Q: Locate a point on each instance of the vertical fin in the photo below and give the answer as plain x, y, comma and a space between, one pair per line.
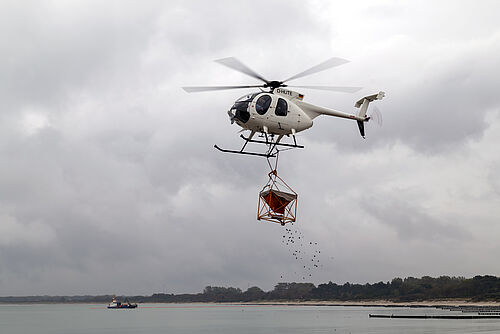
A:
361, 126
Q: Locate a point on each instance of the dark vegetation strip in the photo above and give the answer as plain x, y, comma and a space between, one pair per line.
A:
479, 288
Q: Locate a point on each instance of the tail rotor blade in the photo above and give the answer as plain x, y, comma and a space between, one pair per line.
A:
377, 116
237, 65
332, 62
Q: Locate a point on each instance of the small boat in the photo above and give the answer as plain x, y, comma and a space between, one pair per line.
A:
116, 304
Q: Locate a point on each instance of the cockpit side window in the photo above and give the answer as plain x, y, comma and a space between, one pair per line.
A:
281, 107
262, 104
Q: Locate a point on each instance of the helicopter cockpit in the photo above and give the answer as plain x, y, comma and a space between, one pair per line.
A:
239, 110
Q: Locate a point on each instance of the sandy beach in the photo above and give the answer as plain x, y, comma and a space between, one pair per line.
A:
383, 303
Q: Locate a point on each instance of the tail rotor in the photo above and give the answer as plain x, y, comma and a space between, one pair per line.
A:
376, 116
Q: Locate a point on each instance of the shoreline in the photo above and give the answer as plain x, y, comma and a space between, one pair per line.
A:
364, 303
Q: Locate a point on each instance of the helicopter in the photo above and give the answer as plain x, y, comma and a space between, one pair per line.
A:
278, 112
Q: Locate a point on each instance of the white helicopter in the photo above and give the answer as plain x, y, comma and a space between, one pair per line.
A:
281, 112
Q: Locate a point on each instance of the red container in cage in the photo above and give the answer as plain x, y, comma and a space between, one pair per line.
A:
277, 201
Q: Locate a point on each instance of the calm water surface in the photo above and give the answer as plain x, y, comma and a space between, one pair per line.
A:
230, 319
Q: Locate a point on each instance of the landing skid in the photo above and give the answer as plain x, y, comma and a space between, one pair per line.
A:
267, 155
272, 145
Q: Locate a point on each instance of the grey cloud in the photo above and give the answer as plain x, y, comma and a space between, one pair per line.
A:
438, 106
412, 222
101, 148
52, 49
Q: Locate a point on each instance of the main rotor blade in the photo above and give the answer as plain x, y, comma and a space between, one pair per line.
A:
211, 88
237, 65
332, 88
332, 62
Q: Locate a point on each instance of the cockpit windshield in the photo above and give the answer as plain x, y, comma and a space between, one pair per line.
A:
239, 110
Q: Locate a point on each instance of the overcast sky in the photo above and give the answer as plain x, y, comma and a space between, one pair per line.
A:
109, 182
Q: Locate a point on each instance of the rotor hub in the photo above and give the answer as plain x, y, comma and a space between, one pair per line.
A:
274, 84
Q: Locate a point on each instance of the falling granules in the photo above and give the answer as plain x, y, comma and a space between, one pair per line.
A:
306, 253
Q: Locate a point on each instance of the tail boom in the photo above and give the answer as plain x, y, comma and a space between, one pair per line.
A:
313, 111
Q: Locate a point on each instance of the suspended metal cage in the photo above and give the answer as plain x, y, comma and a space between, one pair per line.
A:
277, 201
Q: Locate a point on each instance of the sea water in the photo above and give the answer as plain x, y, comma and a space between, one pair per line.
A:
230, 319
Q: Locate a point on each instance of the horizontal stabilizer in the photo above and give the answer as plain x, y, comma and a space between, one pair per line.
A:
370, 98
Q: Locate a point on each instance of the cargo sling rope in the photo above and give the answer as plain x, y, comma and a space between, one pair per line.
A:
277, 200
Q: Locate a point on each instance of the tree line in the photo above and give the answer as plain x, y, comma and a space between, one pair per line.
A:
478, 288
